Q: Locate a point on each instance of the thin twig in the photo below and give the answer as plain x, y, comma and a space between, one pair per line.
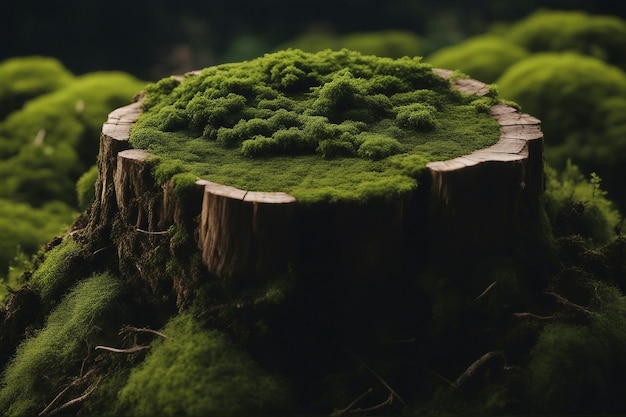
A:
443, 378
568, 303
376, 407
77, 400
161, 232
471, 370
129, 350
141, 330
382, 381
536, 316
352, 404
74, 383
482, 294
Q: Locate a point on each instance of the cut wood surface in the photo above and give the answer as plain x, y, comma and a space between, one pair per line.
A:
242, 233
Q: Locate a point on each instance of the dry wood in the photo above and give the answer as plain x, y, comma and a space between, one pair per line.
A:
129, 350
570, 304
474, 367
482, 294
131, 329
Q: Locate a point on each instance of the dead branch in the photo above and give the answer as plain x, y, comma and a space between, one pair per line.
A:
482, 294
382, 381
570, 304
131, 329
471, 370
129, 350
76, 381
376, 407
352, 404
78, 400
441, 377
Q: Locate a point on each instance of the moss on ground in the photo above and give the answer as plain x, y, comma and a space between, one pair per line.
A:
45, 363
198, 371
325, 126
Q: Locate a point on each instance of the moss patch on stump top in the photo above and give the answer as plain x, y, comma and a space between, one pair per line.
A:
334, 125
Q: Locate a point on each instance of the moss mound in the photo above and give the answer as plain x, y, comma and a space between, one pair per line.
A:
320, 126
197, 372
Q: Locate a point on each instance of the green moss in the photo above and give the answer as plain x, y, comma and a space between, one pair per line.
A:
42, 363
50, 142
26, 228
483, 57
53, 278
198, 372
24, 78
586, 360
562, 90
303, 123
579, 206
600, 36
86, 188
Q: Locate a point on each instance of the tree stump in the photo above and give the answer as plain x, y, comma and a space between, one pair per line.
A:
472, 203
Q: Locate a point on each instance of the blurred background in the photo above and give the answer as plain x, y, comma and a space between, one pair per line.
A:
64, 65
151, 39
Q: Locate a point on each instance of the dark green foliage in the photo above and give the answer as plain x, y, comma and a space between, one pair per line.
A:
199, 372
45, 362
273, 123
584, 359
25, 78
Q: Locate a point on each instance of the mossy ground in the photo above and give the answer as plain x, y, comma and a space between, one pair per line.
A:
325, 126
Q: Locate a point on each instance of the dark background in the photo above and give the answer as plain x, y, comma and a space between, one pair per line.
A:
155, 38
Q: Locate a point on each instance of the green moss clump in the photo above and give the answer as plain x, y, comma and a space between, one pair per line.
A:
24, 78
50, 142
562, 90
599, 36
586, 360
42, 363
579, 206
86, 188
24, 228
304, 123
483, 57
52, 278
198, 371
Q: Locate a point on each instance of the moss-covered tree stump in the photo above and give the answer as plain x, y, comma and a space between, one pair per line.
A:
476, 203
